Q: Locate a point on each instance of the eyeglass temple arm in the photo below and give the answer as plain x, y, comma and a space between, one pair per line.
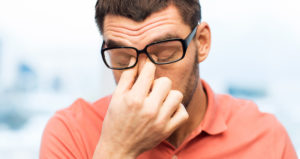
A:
191, 35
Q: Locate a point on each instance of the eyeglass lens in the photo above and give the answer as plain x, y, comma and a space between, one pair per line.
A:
160, 53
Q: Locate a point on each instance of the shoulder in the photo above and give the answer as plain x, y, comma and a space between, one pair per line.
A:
73, 132
252, 127
82, 110
243, 116
241, 110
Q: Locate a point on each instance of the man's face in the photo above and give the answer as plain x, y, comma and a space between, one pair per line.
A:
159, 26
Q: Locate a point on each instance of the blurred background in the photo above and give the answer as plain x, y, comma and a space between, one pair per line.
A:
49, 57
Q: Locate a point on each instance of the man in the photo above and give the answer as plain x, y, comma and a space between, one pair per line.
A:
160, 108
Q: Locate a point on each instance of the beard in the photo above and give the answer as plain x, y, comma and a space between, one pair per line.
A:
191, 84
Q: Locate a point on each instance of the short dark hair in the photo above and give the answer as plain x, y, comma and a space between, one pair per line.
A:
139, 10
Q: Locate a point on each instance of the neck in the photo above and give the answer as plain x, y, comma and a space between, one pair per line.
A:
196, 110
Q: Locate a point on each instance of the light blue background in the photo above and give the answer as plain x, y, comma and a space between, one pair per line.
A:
49, 57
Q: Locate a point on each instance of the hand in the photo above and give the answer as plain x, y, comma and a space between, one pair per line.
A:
141, 114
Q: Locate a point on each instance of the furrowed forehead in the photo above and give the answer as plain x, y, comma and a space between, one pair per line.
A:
159, 26
169, 13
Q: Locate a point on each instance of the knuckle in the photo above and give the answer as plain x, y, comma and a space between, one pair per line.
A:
159, 126
151, 104
147, 101
158, 129
133, 101
149, 114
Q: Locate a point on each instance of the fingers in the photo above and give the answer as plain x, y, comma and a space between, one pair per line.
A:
172, 111
171, 104
160, 90
127, 78
178, 118
144, 82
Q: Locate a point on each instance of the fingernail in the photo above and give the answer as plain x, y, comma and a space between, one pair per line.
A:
154, 57
131, 62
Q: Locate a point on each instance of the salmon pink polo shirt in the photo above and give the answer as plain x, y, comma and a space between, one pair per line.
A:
231, 129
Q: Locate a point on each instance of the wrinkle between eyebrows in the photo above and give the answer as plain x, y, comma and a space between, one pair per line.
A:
137, 30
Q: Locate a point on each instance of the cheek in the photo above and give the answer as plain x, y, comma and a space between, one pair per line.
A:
184, 72
177, 72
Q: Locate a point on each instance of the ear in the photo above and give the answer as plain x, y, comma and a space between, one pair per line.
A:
203, 41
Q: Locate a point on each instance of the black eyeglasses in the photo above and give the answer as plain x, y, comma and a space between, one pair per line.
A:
160, 53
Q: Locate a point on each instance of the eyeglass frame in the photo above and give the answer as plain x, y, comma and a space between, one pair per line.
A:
185, 43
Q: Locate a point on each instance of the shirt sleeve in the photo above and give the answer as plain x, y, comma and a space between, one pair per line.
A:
59, 141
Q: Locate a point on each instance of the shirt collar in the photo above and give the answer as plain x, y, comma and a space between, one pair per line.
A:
213, 122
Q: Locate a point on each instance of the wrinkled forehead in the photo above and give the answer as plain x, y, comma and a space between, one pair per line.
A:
167, 22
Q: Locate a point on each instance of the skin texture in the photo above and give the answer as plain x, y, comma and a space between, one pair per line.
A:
153, 102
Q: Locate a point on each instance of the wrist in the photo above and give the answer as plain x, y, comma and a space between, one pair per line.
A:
107, 152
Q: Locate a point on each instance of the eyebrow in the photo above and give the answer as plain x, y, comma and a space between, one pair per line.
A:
165, 37
112, 43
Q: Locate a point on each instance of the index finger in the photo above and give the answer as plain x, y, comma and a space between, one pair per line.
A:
144, 82
127, 78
